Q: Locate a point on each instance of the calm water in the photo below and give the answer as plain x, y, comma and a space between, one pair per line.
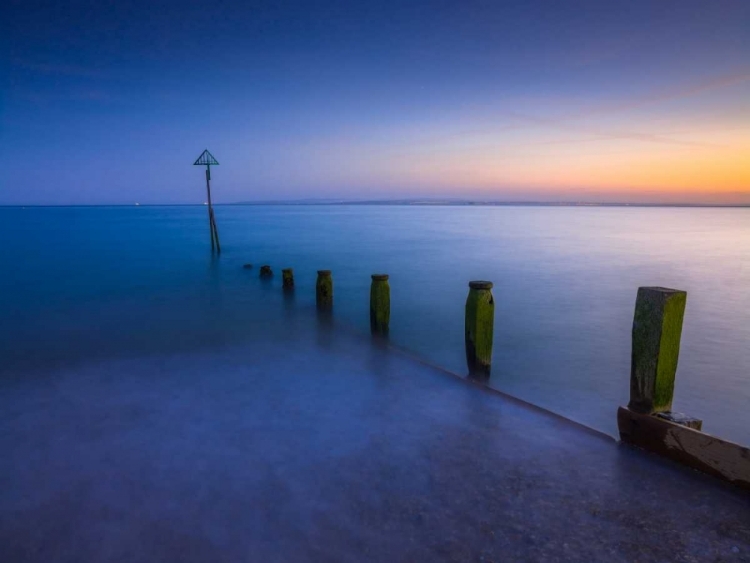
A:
91, 283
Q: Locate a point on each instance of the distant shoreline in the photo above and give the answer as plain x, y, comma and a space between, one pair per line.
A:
400, 203
427, 203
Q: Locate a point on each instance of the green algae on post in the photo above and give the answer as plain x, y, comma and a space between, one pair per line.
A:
480, 319
287, 278
324, 289
657, 329
380, 304
265, 271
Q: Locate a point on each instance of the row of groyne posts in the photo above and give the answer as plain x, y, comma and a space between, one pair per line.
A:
647, 422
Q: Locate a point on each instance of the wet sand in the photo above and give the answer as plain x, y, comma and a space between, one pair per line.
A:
313, 444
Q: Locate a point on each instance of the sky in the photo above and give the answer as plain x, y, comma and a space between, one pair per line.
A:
110, 102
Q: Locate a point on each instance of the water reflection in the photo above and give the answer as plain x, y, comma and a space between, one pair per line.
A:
112, 281
324, 327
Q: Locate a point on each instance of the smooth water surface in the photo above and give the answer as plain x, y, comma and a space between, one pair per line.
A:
89, 283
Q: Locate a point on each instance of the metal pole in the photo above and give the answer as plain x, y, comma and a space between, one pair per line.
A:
216, 232
210, 214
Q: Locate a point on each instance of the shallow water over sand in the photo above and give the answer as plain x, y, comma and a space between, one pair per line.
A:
83, 284
310, 443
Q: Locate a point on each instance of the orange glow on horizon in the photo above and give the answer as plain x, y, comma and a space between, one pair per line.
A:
712, 166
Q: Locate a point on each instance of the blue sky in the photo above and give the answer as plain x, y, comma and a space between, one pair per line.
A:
110, 102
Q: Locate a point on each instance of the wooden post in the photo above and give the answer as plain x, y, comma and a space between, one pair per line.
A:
287, 278
657, 328
324, 289
648, 421
480, 319
380, 304
265, 271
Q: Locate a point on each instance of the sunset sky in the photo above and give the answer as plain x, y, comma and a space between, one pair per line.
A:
111, 101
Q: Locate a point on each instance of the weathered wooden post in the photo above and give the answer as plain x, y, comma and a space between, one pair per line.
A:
287, 278
265, 271
657, 329
648, 421
480, 319
324, 289
380, 304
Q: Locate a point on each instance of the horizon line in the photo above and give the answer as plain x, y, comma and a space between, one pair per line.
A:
399, 202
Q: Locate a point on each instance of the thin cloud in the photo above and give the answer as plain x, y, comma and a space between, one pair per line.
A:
78, 95
675, 93
567, 122
564, 124
59, 69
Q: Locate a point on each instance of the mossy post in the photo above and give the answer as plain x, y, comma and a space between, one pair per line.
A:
287, 279
657, 328
380, 304
480, 319
324, 290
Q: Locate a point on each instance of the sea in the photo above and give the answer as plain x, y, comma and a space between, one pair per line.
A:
88, 284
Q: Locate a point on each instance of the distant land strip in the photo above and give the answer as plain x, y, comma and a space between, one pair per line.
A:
398, 202
457, 203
